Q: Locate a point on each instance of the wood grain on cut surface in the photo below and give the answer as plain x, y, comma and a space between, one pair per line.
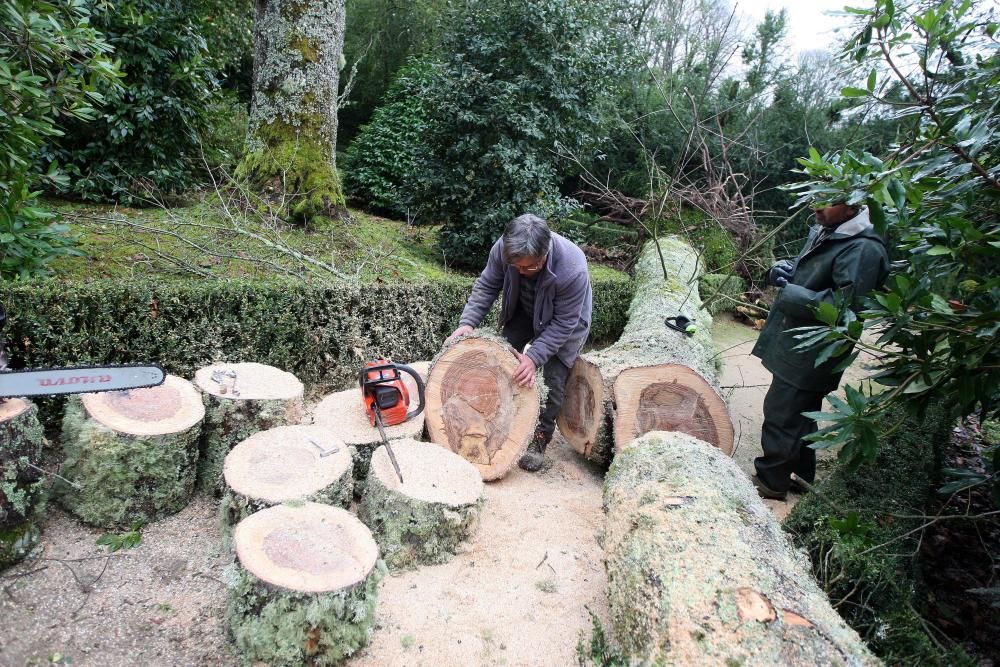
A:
172, 407
475, 409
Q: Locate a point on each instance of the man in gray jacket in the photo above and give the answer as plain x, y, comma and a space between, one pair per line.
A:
547, 301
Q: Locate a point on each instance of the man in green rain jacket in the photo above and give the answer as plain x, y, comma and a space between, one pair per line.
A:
842, 256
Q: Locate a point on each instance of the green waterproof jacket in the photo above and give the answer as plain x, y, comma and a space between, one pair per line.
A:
852, 261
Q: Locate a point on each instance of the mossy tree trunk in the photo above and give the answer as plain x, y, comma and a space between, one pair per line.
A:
21, 487
653, 377
700, 571
304, 586
298, 55
131, 455
427, 515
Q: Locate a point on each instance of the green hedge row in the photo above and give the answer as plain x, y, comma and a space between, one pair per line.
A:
319, 334
864, 555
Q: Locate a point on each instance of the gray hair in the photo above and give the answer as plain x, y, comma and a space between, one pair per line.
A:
526, 236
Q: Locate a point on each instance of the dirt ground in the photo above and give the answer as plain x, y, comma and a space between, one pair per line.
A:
521, 593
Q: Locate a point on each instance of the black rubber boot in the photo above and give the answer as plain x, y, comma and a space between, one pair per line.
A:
535, 456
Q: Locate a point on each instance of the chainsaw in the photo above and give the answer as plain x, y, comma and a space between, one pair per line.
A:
387, 400
72, 379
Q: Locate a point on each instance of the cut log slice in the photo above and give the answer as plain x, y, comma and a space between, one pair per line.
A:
583, 408
284, 464
21, 483
131, 454
241, 399
424, 518
670, 397
646, 341
700, 571
304, 585
344, 414
475, 409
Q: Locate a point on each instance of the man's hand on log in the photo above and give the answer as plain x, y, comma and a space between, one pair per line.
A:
524, 374
461, 331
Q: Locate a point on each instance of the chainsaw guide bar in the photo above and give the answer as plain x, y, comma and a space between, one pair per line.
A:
79, 379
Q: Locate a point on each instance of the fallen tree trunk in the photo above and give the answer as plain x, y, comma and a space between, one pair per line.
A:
21, 488
304, 585
424, 518
131, 455
700, 571
285, 464
475, 409
240, 400
654, 377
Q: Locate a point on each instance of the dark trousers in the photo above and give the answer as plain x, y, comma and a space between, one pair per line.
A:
781, 436
519, 332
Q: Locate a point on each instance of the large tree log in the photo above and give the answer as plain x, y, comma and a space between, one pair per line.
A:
21, 488
475, 409
304, 585
344, 413
699, 570
131, 454
424, 518
653, 378
285, 464
240, 400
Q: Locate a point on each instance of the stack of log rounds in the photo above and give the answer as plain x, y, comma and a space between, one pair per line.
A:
21, 489
654, 377
131, 454
700, 571
285, 464
475, 409
424, 518
304, 585
345, 415
241, 399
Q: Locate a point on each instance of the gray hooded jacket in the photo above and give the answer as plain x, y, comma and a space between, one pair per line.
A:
563, 300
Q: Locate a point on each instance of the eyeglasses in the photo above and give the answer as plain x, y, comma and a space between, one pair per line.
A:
533, 267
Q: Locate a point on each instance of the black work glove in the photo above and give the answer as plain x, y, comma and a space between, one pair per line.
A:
780, 273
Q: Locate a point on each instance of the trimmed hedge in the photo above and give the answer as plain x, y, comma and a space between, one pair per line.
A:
863, 555
320, 334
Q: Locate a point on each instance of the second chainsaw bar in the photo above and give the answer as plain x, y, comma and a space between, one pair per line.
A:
79, 379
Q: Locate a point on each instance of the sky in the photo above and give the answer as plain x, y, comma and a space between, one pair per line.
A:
808, 27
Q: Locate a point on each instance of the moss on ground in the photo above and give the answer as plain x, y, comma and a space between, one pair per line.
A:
863, 553
123, 478
16, 542
285, 628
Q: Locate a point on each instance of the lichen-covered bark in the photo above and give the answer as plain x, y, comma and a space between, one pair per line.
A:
699, 570
16, 542
646, 340
286, 628
235, 507
298, 54
411, 532
228, 422
21, 485
124, 478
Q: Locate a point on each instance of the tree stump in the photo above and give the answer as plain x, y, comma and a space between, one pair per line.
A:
653, 377
434, 509
700, 571
303, 587
344, 414
21, 484
475, 409
132, 453
240, 400
283, 464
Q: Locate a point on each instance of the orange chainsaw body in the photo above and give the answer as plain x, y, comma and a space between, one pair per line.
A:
382, 386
